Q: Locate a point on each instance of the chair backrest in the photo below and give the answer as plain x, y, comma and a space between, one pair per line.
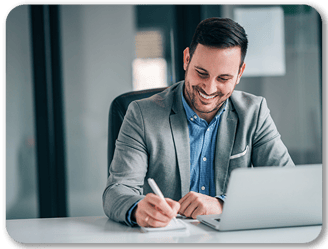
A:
117, 112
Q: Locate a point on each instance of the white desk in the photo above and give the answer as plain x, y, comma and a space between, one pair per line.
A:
103, 230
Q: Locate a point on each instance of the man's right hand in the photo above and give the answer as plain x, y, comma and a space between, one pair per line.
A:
153, 211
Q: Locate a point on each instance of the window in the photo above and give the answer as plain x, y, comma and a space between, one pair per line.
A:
149, 67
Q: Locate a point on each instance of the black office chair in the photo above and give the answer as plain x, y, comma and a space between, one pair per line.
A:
117, 112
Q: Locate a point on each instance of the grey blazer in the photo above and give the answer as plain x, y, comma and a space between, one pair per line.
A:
154, 142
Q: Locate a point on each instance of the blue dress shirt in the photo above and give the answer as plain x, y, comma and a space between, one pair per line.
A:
202, 137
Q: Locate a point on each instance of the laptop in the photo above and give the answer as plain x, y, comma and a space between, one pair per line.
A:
270, 197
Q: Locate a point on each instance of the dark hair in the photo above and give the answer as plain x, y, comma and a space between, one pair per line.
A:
219, 33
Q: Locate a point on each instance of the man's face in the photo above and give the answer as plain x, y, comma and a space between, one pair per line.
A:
211, 77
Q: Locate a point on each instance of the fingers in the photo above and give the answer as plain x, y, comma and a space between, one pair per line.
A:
174, 205
153, 211
161, 205
188, 204
193, 204
185, 197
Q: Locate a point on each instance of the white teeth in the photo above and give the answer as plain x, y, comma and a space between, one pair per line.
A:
206, 97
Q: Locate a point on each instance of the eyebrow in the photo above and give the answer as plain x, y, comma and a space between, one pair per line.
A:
221, 75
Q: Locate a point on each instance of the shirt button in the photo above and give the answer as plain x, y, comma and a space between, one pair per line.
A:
191, 119
204, 159
203, 187
195, 117
208, 129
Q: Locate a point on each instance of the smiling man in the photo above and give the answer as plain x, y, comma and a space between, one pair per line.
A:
191, 136
211, 77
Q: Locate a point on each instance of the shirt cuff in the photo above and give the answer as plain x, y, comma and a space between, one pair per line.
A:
129, 214
221, 197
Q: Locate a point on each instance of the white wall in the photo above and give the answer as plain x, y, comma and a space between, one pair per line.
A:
21, 192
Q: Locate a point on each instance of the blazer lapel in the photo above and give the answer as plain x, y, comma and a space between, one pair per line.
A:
180, 133
224, 144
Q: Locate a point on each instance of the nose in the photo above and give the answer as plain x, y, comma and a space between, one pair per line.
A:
210, 87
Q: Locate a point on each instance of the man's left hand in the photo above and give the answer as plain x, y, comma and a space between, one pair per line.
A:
193, 204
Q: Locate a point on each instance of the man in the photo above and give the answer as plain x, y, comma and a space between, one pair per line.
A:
190, 137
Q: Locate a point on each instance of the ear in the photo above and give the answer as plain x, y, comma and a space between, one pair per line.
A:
241, 71
186, 58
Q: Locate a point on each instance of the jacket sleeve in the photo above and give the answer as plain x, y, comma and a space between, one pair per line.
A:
268, 148
128, 168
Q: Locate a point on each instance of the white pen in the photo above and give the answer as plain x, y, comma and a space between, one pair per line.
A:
156, 189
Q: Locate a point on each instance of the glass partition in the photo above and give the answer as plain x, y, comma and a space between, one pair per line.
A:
293, 94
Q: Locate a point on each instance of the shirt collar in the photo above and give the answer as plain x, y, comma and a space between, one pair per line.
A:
193, 115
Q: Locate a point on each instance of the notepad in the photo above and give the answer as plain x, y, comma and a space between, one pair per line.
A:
173, 225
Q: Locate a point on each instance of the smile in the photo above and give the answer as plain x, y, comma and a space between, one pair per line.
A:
206, 97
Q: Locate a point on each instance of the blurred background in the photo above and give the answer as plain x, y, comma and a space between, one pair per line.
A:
65, 64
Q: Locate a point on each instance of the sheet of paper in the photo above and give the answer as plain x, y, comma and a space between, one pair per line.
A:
175, 224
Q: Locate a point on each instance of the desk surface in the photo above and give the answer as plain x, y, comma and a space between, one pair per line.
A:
103, 230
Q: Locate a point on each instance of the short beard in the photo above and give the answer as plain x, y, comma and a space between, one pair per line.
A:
191, 97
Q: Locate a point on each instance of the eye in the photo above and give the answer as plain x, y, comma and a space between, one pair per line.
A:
223, 79
201, 74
